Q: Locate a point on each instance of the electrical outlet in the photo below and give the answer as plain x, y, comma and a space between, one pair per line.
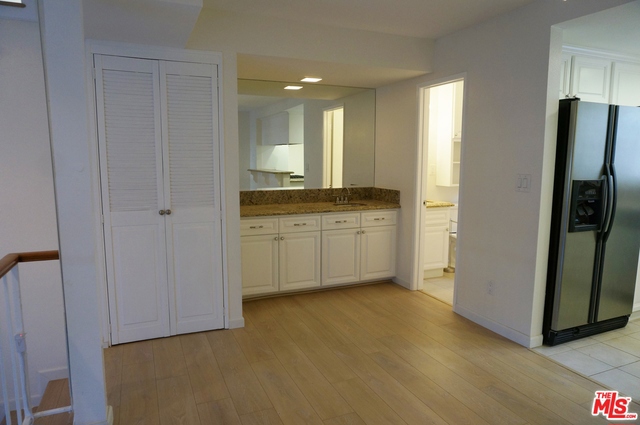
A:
490, 287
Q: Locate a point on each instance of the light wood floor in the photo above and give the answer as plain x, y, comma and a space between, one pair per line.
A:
374, 354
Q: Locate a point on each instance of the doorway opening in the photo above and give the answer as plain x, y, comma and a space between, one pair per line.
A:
333, 147
441, 137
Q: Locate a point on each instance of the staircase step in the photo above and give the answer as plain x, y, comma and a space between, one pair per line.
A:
55, 395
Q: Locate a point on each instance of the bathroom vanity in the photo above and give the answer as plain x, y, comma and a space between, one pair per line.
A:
436, 231
298, 246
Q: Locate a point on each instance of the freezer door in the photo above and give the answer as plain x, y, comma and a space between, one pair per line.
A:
576, 254
623, 244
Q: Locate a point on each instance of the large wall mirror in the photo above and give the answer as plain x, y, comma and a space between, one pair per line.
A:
316, 137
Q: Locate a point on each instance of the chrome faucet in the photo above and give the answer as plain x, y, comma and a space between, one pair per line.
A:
342, 199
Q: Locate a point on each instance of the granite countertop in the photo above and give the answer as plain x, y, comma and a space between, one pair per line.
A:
313, 208
439, 204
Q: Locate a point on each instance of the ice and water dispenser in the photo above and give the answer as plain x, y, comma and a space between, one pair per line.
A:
586, 205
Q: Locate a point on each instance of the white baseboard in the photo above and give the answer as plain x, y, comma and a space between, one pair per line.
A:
512, 334
635, 314
236, 323
401, 282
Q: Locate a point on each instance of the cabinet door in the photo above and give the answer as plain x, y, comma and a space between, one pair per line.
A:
259, 264
626, 84
378, 258
590, 79
299, 260
130, 146
436, 247
340, 256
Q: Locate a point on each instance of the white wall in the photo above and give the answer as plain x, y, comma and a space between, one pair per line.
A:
27, 210
510, 121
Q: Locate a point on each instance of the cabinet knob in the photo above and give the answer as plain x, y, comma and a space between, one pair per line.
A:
358, 232
168, 212
275, 239
161, 212
281, 238
363, 232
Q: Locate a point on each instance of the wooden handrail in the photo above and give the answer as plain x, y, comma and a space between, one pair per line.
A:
9, 261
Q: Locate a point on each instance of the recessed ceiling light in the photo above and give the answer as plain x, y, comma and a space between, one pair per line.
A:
293, 87
311, 80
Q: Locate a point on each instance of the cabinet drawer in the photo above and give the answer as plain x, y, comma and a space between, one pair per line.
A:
340, 221
378, 218
258, 226
437, 217
300, 223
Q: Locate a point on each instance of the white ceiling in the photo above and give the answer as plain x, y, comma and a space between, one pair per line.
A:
412, 18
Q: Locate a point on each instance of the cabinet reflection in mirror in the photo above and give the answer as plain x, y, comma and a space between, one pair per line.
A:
317, 137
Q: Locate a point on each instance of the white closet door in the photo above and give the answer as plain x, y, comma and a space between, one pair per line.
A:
191, 187
129, 134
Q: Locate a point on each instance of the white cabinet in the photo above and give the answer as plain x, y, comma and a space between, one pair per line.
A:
436, 248
291, 253
362, 247
158, 139
274, 129
448, 170
625, 88
591, 78
280, 254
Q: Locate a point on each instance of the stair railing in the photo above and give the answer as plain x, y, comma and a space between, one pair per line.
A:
10, 281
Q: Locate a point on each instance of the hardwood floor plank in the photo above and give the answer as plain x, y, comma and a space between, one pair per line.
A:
255, 348
175, 401
137, 352
434, 396
400, 399
113, 372
315, 350
168, 358
367, 404
375, 354
326, 401
139, 397
221, 412
291, 405
348, 419
207, 382
467, 394
246, 392
526, 408
263, 417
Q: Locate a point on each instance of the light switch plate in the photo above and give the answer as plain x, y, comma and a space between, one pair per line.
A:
523, 183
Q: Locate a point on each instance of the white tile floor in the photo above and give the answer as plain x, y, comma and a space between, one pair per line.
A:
611, 358
440, 288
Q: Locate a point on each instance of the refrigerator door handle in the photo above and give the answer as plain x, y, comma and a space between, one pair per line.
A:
612, 191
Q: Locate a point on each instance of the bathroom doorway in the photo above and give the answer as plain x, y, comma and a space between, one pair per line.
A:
441, 140
333, 147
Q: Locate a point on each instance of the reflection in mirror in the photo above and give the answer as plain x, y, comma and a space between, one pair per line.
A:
317, 137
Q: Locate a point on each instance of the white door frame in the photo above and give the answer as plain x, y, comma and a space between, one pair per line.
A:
158, 53
421, 176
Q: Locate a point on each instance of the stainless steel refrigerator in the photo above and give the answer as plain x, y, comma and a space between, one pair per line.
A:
595, 226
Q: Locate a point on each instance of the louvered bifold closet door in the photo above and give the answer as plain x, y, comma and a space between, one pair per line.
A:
191, 184
130, 146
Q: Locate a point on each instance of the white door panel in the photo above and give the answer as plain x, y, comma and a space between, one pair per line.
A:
194, 266
139, 280
259, 264
378, 252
